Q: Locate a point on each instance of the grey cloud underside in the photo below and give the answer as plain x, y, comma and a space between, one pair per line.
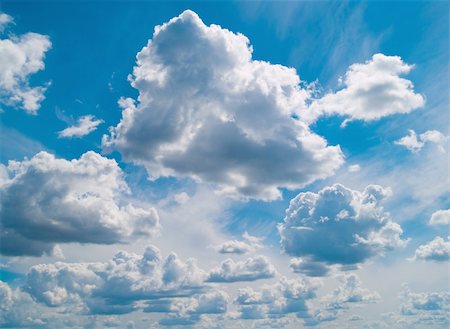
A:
206, 110
48, 200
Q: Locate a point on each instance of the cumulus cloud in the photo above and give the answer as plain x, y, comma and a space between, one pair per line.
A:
17, 309
249, 244
415, 143
22, 56
372, 90
283, 298
115, 286
249, 270
46, 200
349, 291
338, 225
430, 308
436, 250
207, 111
440, 217
189, 311
84, 126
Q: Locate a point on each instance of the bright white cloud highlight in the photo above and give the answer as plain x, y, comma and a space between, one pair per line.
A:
206, 110
415, 143
22, 56
47, 200
338, 225
371, 91
436, 250
440, 217
84, 126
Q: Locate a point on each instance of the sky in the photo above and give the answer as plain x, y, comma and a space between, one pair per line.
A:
209, 164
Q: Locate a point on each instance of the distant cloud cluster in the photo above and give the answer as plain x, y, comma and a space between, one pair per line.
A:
82, 200
337, 225
22, 56
249, 270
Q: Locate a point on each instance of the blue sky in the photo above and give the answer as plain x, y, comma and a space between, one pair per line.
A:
224, 164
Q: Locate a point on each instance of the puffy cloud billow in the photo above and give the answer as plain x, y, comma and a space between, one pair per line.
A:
208, 111
249, 244
436, 250
115, 286
440, 217
22, 56
283, 298
371, 90
337, 225
249, 270
46, 200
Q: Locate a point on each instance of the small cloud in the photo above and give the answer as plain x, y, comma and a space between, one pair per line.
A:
415, 143
84, 126
354, 168
249, 270
440, 217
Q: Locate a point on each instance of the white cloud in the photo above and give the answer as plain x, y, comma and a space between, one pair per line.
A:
283, 298
440, 217
354, 168
84, 126
208, 111
115, 286
364, 229
371, 91
22, 56
415, 143
249, 270
249, 244
49, 200
436, 250
349, 291
431, 309
5, 19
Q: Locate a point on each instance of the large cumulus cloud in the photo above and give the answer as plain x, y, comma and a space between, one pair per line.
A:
338, 225
22, 56
206, 110
46, 200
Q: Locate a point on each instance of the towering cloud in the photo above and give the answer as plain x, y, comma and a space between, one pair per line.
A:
46, 200
206, 110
